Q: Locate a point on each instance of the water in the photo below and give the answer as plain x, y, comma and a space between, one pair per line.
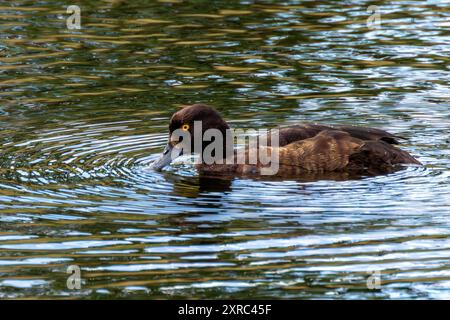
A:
84, 112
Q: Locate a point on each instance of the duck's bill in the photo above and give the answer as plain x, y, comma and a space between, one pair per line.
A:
169, 154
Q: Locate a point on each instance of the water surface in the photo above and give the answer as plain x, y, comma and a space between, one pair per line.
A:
84, 112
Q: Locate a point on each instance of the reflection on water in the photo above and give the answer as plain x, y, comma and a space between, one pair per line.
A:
83, 113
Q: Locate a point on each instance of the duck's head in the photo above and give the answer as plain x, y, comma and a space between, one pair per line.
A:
183, 128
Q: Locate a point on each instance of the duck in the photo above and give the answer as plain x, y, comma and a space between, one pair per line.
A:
301, 149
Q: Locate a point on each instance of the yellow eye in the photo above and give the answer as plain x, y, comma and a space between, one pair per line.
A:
185, 127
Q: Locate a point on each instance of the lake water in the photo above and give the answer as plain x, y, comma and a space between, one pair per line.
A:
84, 112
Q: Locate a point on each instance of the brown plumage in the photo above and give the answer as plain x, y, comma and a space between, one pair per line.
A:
304, 149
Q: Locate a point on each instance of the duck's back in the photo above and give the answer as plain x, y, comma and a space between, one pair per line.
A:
354, 149
323, 148
300, 132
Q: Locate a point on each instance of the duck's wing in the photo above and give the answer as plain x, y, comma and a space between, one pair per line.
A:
380, 154
329, 150
300, 132
334, 150
370, 134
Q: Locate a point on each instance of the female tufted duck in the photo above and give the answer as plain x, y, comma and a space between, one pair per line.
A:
301, 149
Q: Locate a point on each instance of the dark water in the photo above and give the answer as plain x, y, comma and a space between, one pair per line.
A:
84, 112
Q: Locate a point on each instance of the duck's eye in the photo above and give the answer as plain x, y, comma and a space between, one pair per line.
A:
185, 127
